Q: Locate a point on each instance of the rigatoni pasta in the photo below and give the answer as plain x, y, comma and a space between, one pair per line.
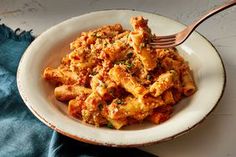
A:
124, 79
113, 77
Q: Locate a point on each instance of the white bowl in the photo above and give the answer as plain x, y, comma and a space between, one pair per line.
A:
52, 45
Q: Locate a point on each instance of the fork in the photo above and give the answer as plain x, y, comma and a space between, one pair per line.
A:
178, 38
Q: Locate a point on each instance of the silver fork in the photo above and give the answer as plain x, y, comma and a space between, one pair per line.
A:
180, 37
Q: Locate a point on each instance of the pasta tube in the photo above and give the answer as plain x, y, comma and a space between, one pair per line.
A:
188, 85
136, 108
120, 76
147, 58
75, 107
91, 113
168, 97
60, 76
68, 92
164, 82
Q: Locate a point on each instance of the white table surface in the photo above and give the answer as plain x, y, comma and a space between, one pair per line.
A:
216, 136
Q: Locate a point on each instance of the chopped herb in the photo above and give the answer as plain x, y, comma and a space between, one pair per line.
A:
109, 125
130, 54
112, 92
166, 50
113, 34
94, 73
142, 45
100, 106
149, 77
104, 85
120, 62
129, 65
119, 102
94, 34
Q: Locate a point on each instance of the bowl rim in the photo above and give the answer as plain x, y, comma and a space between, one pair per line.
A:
122, 145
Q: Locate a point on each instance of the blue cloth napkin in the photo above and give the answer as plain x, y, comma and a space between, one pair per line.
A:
21, 134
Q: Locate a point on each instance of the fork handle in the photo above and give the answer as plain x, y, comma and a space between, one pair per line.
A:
192, 26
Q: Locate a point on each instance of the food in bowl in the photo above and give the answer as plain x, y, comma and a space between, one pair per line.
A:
113, 77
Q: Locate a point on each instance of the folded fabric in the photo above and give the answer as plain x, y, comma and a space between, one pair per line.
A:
21, 134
